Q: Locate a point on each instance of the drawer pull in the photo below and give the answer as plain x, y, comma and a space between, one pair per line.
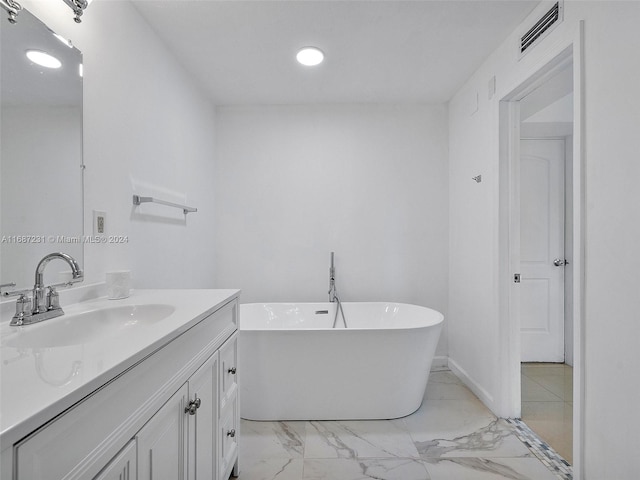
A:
193, 406
232, 370
231, 433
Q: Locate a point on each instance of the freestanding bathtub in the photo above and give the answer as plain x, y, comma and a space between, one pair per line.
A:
295, 366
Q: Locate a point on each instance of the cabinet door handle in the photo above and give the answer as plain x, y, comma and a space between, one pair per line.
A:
232, 370
193, 406
231, 433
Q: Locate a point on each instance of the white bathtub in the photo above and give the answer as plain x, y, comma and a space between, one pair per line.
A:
294, 366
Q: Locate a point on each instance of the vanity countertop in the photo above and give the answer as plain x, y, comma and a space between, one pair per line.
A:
40, 381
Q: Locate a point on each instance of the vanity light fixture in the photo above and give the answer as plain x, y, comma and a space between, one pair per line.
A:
13, 8
310, 56
43, 59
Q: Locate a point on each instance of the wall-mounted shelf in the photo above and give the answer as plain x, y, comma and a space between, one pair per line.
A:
137, 200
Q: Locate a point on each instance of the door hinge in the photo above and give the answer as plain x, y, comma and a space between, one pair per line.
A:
516, 278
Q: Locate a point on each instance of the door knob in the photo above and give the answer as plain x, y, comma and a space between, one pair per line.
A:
559, 262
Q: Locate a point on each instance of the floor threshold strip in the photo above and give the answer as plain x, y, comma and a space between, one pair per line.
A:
542, 450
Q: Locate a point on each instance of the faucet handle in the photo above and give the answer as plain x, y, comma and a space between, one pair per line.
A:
23, 309
53, 298
4, 285
16, 292
61, 285
23, 304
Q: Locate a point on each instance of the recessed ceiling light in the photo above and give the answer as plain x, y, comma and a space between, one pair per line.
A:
310, 56
43, 59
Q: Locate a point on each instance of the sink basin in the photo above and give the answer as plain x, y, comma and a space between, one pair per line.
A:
87, 327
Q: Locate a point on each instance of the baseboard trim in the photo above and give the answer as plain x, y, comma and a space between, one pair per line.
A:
440, 363
474, 386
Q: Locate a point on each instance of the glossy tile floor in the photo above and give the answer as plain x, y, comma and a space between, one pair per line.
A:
452, 436
547, 404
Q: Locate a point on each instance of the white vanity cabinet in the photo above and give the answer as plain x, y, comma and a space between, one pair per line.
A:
174, 416
204, 391
123, 467
229, 413
162, 442
192, 425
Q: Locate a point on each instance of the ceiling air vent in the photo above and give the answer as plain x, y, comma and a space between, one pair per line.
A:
543, 25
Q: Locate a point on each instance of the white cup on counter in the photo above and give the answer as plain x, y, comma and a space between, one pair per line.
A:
118, 284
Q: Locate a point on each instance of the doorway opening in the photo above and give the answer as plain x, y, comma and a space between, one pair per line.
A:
541, 207
546, 260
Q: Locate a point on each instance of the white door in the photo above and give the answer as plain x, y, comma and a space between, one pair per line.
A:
542, 164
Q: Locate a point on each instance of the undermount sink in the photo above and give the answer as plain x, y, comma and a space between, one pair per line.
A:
87, 327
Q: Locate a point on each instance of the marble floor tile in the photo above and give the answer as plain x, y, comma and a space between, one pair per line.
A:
452, 436
262, 440
497, 439
461, 428
358, 439
271, 469
447, 419
488, 469
444, 385
363, 469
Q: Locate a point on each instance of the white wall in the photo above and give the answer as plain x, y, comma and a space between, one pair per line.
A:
368, 182
611, 219
148, 129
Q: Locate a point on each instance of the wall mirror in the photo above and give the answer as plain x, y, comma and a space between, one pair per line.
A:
41, 204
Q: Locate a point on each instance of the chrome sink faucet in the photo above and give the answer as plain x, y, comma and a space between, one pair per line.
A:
44, 303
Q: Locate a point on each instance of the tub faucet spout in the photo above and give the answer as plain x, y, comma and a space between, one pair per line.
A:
333, 294
332, 281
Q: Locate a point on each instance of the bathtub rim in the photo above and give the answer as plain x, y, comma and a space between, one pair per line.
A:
438, 315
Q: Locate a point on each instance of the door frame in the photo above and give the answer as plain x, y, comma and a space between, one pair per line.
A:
509, 238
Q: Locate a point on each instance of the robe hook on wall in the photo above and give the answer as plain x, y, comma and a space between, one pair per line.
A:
477, 178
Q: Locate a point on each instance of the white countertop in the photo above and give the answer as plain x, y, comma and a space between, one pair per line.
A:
37, 384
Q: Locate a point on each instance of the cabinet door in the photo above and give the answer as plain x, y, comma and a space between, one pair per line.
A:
228, 430
162, 442
228, 374
203, 425
123, 466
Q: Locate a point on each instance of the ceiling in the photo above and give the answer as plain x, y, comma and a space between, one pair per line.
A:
243, 52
